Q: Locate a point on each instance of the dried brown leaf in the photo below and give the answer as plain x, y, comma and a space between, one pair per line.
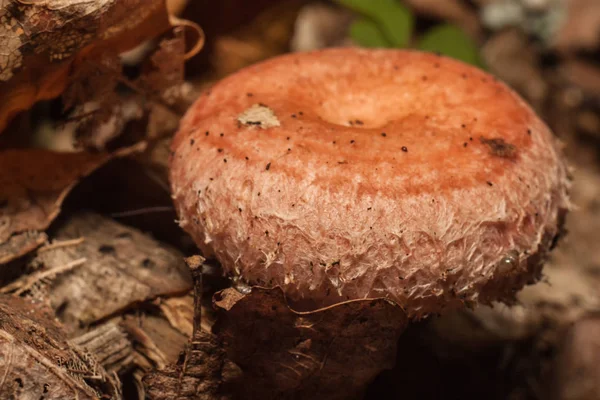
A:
330, 353
44, 41
165, 76
114, 268
39, 363
34, 184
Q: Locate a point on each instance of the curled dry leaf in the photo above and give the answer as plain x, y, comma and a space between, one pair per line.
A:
331, 353
43, 41
34, 184
39, 363
114, 267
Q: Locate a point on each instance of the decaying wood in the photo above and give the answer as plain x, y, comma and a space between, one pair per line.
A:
305, 355
109, 345
124, 267
43, 41
113, 268
34, 184
38, 363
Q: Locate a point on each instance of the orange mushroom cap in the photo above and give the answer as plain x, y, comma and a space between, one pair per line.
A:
351, 173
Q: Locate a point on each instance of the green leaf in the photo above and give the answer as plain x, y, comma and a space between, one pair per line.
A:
453, 42
366, 33
394, 20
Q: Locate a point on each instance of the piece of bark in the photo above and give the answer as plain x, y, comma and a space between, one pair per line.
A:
34, 184
112, 268
289, 354
44, 41
39, 363
577, 367
110, 345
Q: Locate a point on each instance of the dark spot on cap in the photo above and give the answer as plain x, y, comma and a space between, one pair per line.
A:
383, 134
404, 149
192, 141
207, 133
500, 148
268, 166
490, 183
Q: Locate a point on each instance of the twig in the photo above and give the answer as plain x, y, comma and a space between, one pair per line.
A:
61, 243
140, 211
25, 284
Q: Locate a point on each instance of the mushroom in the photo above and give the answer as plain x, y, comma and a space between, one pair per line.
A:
349, 174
